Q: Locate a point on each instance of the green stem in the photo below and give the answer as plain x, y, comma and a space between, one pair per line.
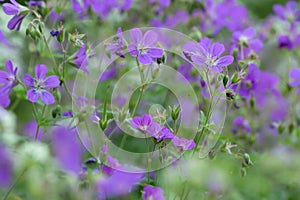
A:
38, 123
14, 184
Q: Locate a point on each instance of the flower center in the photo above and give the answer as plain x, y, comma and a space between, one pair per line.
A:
39, 84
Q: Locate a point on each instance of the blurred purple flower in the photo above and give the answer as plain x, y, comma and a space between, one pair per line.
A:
54, 16
183, 143
262, 87
18, 11
142, 123
118, 45
29, 130
218, 15
8, 78
152, 193
39, 85
240, 124
67, 114
295, 76
4, 100
66, 149
80, 59
284, 41
246, 39
143, 46
289, 13
35, 3
207, 54
3, 38
6, 168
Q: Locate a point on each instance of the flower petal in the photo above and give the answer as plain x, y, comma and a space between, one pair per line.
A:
155, 52
10, 9
150, 38
256, 45
40, 71
32, 95
28, 80
217, 49
132, 49
3, 77
47, 97
15, 22
9, 67
249, 33
4, 100
51, 82
136, 35
225, 61
145, 59
198, 60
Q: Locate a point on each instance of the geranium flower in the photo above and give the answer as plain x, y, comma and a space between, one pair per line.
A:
289, 13
8, 78
80, 59
143, 46
151, 192
118, 45
247, 40
159, 132
142, 123
207, 54
18, 11
39, 85
183, 143
240, 124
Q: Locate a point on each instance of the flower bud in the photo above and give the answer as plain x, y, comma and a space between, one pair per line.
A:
247, 159
225, 80
56, 112
235, 78
103, 124
175, 112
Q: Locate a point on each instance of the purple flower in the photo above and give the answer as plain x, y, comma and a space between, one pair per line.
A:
240, 124
8, 79
155, 193
4, 100
66, 149
284, 41
35, 3
142, 123
295, 76
55, 33
118, 45
246, 38
143, 46
29, 130
18, 11
67, 114
218, 15
289, 13
207, 54
262, 87
118, 184
183, 143
80, 59
159, 132
6, 168
39, 85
